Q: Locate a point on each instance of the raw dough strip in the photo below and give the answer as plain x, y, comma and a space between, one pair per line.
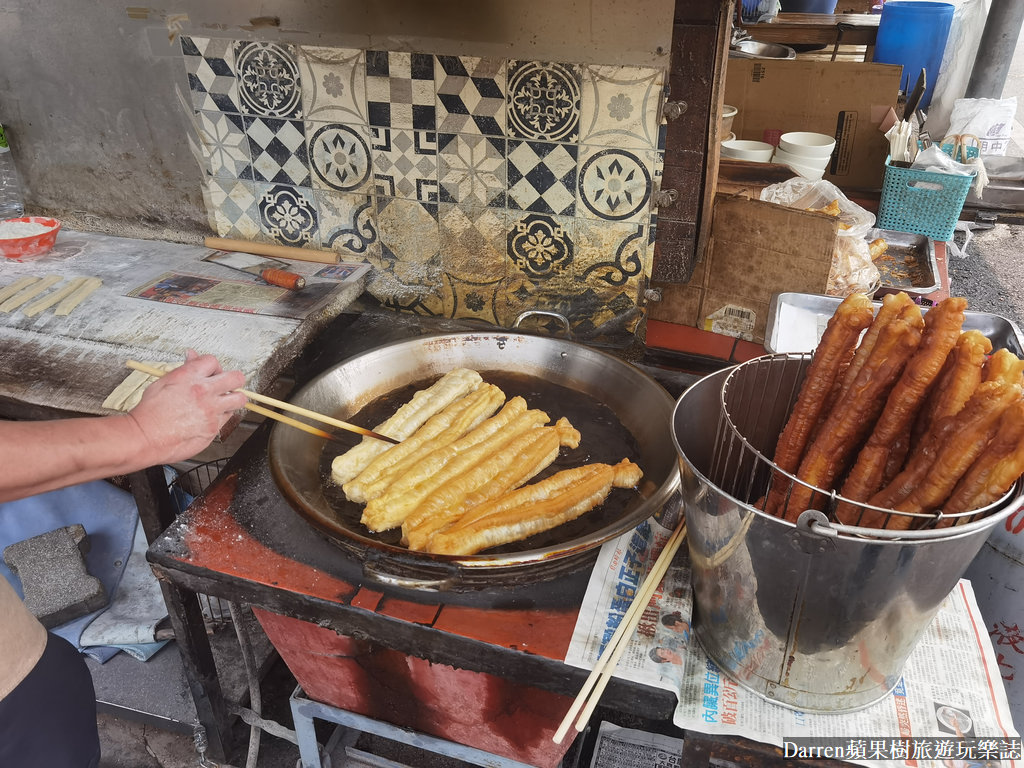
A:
440, 429
30, 293
22, 282
85, 290
506, 468
128, 393
50, 299
407, 419
536, 508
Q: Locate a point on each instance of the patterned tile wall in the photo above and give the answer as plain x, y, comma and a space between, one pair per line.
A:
476, 188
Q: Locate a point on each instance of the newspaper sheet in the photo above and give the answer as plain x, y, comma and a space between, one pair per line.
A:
951, 684
618, 747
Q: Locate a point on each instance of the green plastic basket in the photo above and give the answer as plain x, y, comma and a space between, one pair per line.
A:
922, 202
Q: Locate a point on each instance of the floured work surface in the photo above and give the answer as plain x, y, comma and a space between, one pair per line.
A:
69, 364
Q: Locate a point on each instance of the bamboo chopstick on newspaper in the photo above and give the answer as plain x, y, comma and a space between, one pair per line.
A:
148, 369
586, 700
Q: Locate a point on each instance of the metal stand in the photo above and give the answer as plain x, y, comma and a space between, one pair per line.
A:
304, 711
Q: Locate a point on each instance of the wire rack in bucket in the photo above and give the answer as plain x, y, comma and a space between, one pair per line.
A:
757, 398
183, 490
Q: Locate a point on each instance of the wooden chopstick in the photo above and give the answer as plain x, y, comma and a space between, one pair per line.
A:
148, 369
291, 422
586, 700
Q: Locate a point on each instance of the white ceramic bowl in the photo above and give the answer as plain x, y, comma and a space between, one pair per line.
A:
730, 137
807, 172
781, 156
728, 115
755, 151
806, 144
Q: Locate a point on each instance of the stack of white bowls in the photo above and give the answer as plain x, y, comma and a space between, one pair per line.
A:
806, 153
754, 151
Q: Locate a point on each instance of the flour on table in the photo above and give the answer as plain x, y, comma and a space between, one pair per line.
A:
12, 230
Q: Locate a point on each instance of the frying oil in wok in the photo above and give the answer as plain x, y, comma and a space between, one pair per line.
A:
603, 439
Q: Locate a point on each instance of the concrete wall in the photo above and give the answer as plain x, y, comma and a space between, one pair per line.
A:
87, 89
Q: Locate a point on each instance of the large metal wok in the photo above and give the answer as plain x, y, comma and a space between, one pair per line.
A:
301, 465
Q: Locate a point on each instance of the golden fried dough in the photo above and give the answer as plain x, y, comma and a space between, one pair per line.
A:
535, 508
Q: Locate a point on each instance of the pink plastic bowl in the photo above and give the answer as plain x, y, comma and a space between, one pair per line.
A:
33, 245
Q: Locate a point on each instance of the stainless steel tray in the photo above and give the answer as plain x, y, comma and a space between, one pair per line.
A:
797, 320
908, 264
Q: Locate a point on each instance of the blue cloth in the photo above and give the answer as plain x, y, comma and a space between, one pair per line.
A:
109, 517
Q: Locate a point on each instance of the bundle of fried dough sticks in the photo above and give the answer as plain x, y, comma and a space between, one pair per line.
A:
903, 413
456, 481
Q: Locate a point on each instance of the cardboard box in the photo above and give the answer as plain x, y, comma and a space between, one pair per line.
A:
756, 250
844, 99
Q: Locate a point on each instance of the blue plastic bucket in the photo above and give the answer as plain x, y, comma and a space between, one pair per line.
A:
914, 35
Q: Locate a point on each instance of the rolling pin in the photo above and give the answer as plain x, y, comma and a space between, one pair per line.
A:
270, 249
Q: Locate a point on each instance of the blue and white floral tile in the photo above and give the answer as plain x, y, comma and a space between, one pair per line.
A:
333, 84
541, 249
542, 177
543, 101
465, 299
278, 149
339, 156
233, 207
612, 256
400, 90
615, 184
470, 95
288, 215
210, 65
621, 106
405, 163
224, 145
473, 243
348, 224
471, 169
268, 79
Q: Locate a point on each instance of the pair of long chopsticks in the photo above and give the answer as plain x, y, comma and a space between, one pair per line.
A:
148, 369
586, 700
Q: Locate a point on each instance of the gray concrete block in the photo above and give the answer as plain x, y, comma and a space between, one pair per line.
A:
56, 583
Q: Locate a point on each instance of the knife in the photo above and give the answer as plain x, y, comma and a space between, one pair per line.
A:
268, 270
916, 95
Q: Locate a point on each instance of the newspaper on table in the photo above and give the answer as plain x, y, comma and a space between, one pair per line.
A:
618, 747
951, 685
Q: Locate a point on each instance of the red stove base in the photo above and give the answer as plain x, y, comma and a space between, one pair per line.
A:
472, 708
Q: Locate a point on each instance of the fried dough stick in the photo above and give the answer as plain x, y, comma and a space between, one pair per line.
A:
941, 331
893, 305
852, 316
406, 420
959, 377
945, 453
852, 416
1003, 365
501, 470
535, 508
994, 471
440, 429
431, 457
530, 451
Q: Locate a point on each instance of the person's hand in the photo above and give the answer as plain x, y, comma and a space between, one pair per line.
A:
182, 412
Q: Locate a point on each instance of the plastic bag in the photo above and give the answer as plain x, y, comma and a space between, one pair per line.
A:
852, 268
991, 120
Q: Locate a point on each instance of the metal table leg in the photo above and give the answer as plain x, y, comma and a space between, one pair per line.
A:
156, 512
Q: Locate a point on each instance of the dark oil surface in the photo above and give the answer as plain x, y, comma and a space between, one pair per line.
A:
603, 439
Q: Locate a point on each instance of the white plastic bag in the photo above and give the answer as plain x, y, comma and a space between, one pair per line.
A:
852, 268
991, 120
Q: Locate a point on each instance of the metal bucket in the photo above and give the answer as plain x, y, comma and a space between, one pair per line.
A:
816, 615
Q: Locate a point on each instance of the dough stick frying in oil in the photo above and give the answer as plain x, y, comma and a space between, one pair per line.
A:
407, 419
431, 457
953, 438
440, 429
942, 329
837, 343
960, 376
495, 474
994, 471
853, 415
535, 508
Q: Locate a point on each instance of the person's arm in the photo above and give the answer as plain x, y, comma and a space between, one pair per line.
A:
179, 415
